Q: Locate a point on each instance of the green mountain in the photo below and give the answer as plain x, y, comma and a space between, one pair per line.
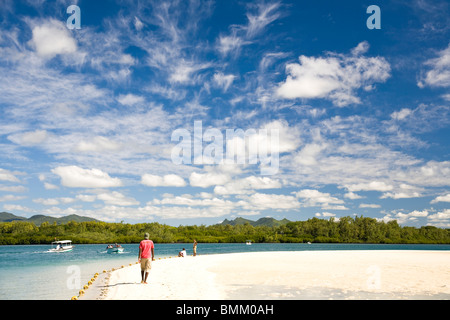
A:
39, 218
8, 217
270, 222
267, 222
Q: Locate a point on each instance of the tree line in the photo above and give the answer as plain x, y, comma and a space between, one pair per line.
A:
346, 230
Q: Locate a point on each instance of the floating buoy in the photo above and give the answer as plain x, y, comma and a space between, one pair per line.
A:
104, 271
86, 287
81, 292
74, 298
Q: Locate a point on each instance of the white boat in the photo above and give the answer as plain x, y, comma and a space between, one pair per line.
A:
114, 249
248, 242
61, 246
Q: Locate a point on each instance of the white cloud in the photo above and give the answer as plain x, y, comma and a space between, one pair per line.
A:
11, 197
369, 205
169, 180
417, 213
97, 144
439, 75
440, 219
167, 91
432, 173
352, 195
267, 13
403, 191
29, 138
401, 195
316, 198
259, 17
138, 24
15, 207
404, 218
263, 201
13, 188
76, 177
444, 198
52, 38
184, 72
41, 92
247, 185
223, 81
325, 214
334, 77
361, 48
402, 114
47, 202
86, 197
262, 145
130, 99
230, 43
117, 199
307, 156
289, 136
370, 186
49, 186
6, 175
182, 212
205, 180
187, 200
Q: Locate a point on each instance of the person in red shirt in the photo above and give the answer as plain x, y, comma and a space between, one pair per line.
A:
146, 248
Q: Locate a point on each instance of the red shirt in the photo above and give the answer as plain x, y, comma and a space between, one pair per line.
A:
146, 246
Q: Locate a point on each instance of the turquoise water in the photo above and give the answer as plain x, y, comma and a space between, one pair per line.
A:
32, 273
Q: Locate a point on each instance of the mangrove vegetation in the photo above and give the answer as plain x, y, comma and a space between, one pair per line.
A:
345, 230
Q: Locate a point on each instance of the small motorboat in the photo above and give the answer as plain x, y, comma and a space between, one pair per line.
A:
248, 242
61, 246
117, 248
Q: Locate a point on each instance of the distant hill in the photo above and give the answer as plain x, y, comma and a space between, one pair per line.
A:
267, 222
8, 217
39, 218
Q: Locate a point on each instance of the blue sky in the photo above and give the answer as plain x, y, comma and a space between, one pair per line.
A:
358, 118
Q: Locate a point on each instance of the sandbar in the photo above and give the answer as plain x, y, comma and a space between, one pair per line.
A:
297, 275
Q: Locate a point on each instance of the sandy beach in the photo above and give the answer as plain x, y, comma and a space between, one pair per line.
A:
352, 274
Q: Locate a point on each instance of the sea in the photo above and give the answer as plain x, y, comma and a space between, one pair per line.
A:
30, 272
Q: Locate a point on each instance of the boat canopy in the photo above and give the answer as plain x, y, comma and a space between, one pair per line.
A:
63, 241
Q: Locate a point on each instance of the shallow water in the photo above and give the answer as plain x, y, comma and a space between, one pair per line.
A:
32, 273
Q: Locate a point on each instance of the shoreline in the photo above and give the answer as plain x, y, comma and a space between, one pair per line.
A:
297, 275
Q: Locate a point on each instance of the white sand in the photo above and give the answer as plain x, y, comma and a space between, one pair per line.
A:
288, 275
